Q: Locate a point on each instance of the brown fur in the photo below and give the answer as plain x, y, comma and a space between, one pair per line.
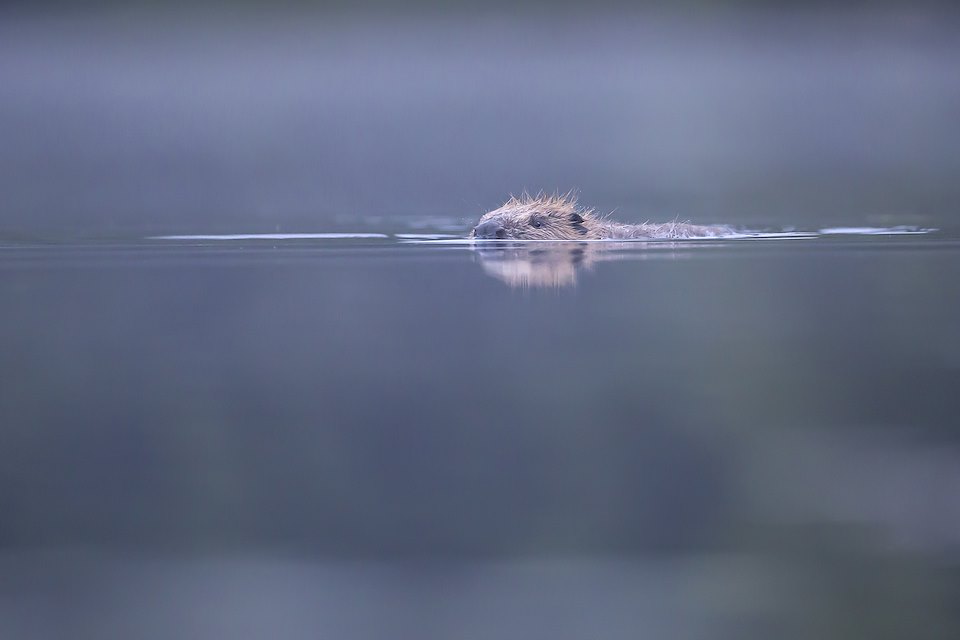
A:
559, 217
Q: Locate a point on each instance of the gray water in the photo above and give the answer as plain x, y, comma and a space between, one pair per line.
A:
368, 438
251, 387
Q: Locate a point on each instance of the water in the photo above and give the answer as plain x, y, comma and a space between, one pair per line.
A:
376, 437
254, 384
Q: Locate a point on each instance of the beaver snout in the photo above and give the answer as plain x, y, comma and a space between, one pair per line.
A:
490, 229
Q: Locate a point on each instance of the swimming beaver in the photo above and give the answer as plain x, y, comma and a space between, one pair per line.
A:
558, 217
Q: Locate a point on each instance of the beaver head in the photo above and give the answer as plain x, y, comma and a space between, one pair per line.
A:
540, 217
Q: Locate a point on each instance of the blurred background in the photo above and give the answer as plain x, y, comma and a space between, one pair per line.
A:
124, 119
361, 438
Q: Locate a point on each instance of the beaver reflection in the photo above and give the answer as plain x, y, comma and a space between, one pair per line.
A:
536, 266
550, 264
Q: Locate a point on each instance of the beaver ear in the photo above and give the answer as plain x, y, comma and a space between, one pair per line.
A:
576, 218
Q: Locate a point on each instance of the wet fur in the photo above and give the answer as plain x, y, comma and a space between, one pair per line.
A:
559, 217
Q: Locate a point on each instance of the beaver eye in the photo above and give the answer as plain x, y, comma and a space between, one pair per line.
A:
536, 223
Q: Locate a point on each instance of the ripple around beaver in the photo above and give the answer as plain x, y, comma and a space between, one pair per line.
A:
449, 238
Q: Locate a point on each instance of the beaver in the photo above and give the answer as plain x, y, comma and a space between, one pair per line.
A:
559, 217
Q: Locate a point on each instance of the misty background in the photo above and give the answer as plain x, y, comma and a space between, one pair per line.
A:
125, 121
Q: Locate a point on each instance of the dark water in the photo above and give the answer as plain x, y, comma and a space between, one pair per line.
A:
368, 438
376, 437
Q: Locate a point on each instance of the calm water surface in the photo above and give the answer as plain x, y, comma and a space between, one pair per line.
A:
366, 437
375, 437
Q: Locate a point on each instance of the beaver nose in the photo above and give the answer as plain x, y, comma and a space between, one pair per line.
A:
490, 229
